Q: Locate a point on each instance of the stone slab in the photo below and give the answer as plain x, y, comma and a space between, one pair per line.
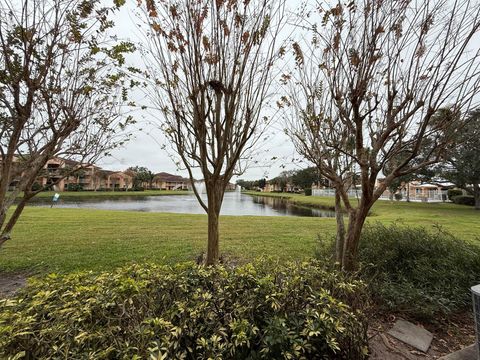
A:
412, 335
468, 353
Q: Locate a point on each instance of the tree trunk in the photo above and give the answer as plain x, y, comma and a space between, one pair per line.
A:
356, 221
5, 205
6, 231
340, 240
213, 250
3, 215
215, 194
476, 195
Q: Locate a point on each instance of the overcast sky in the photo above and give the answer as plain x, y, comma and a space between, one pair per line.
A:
146, 148
149, 147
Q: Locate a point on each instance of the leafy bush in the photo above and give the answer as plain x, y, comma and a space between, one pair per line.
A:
138, 188
308, 192
418, 272
259, 311
398, 196
74, 187
464, 200
451, 193
36, 186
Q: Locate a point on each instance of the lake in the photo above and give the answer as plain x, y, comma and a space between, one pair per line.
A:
234, 203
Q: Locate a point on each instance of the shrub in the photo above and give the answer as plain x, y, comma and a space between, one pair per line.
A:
308, 192
417, 272
258, 311
138, 188
464, 200
451, 193
398, 196
36, 186
74, 187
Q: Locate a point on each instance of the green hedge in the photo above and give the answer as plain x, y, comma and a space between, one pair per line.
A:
451, 193
464, 200
74, 187
36, 186
258, 311
419, 273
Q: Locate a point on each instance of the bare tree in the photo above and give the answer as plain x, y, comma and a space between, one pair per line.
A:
62, 91
312, 128
211, 65
380, 72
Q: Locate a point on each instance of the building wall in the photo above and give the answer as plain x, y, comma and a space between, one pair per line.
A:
89, 177
55, 168
170, 185
119, 181
93, 178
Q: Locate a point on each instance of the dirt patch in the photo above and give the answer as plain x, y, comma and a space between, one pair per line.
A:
10, 283
448, 336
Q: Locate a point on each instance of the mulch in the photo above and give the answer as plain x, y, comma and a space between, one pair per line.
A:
449, 335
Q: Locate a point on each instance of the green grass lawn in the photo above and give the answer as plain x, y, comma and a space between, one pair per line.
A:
72, 239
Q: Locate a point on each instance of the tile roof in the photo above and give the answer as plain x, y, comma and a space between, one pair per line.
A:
163, 176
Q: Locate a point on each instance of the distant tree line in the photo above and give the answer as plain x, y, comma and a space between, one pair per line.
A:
300, 179
141, 176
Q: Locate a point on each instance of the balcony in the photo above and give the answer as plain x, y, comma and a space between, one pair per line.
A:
54, 174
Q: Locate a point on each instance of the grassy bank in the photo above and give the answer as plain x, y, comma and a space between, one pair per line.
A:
92, 194
462, 221
71, 239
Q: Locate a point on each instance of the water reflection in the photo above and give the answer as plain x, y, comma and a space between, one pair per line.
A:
234, 203
282, 205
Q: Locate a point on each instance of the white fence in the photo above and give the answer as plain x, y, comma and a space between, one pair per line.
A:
427, 196
331, 193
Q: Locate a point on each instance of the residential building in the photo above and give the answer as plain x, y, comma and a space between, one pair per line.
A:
273, 186
55, 174
61, 174
88, 177
425, 191
166, 181
113, 180
231, 187
420, 191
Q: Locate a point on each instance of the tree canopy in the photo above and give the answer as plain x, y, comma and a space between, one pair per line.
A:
62, 90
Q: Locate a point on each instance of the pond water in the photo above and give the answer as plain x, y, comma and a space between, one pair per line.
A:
234, 203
